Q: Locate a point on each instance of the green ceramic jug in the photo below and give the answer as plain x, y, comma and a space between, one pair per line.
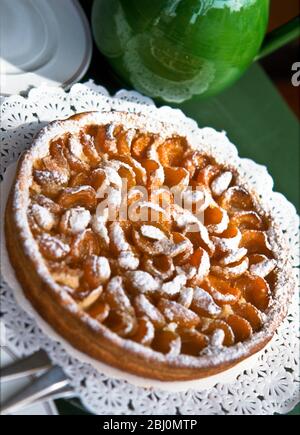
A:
178, 49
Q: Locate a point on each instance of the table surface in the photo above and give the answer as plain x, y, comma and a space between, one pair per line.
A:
257, 121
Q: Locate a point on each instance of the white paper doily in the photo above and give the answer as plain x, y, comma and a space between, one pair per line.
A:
271, 386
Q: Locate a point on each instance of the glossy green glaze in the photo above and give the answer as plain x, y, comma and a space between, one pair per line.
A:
179, 49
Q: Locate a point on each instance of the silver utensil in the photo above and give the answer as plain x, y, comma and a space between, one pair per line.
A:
51, 384
35, 363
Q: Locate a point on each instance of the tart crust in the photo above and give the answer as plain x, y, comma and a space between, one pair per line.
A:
88, 335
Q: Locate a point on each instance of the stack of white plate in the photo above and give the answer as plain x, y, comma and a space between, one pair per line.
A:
42, 42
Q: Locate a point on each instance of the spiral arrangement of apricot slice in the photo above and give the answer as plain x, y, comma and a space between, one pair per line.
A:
186, 268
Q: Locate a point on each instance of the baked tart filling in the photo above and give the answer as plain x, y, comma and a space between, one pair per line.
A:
142, 251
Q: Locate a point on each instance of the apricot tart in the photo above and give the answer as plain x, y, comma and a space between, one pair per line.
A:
142, 249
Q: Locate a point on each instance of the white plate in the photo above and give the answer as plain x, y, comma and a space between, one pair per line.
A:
42, 42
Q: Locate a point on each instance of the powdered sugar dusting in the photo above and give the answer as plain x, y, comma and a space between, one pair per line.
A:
53, 246
118, 297
144, 306
186, 296
152, 232
142, 281
220, 226
127, 260
101, 267
76, 147
173, 287
76, 219
233, 270
227, 244
217, 338
51, 177
263, 268
233, 256
44, 218
203, 301
221, 183
117, 237
204, 266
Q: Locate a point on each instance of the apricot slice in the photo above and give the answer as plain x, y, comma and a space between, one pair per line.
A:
127, 175
50, 164
176, 177
139, 170
43, 217
155, 174
215, 219
161, 266
105, 139
75, 220
203, 304
207, 174
231, 271
221, 291
201, 239
121, 323
196, 258
79, 179
150, 245
46, 202
220, 324
194, 161
187, 252
118, 239
96, 270
221, 183
51, 182
247, 220
53, 248
91, 298
228, 240
89, 150
100, 135
200, 260
167, 342
171, 152
250, 313
241, 327
139, 281
123, 139
74, 155
116, 296
261, 265
144, 333
186, 296
236, 198
99, 311
255, 290
192, 342
57, 152
84, 196
139, 145
256, 242
84, 244
64, 275
175, 312
144, 307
